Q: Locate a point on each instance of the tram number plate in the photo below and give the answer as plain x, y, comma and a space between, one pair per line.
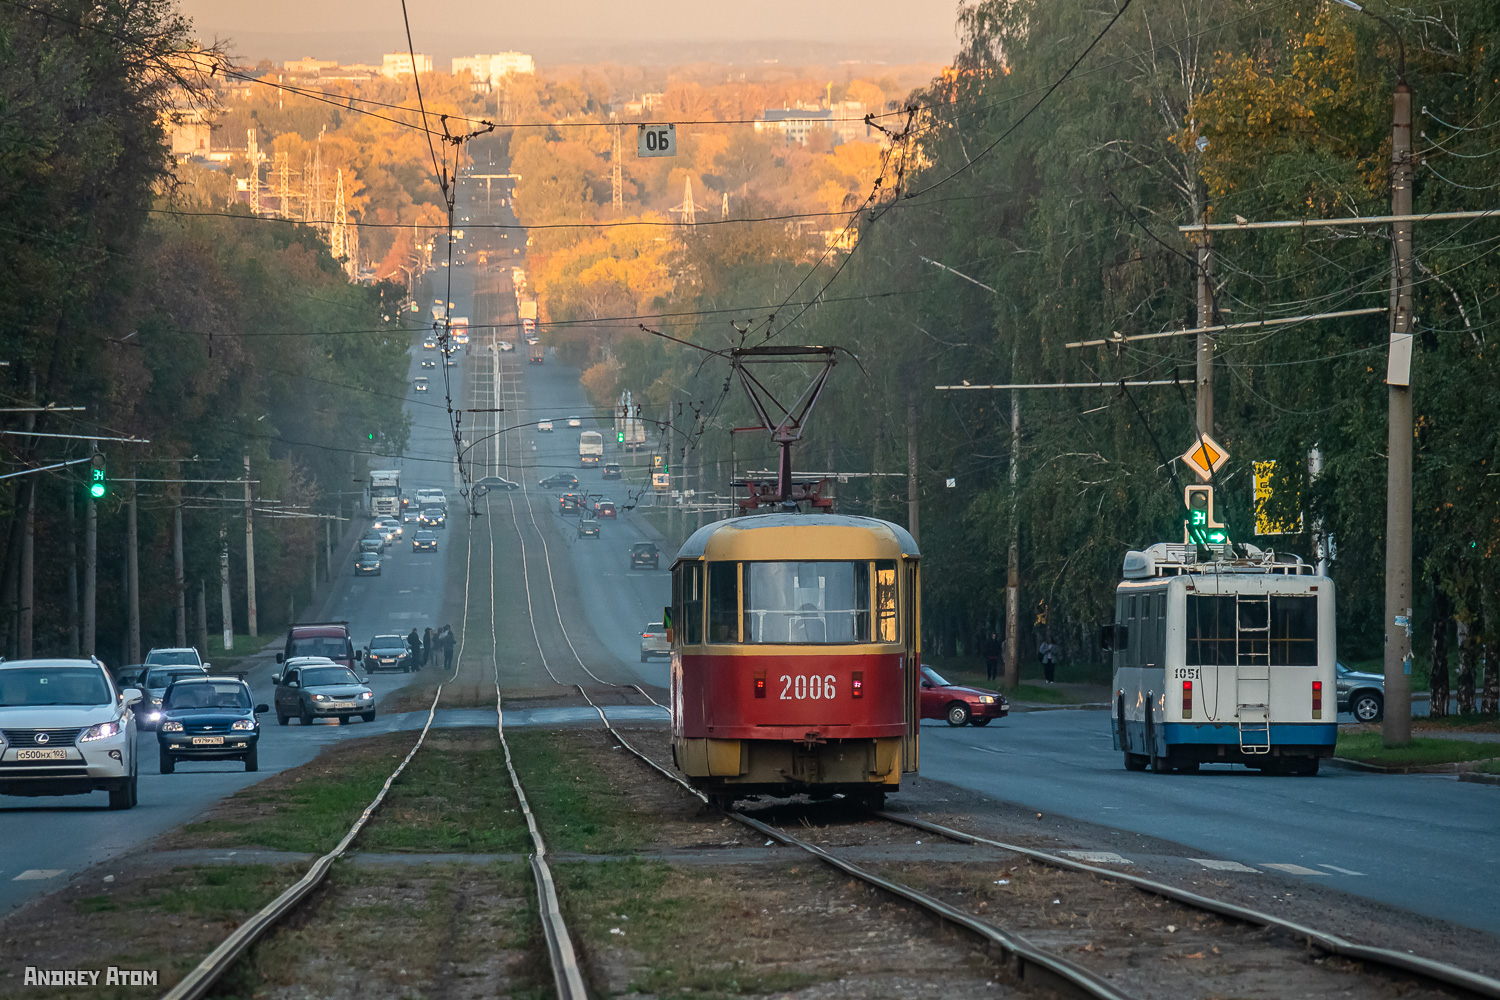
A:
1185, 673
808, 687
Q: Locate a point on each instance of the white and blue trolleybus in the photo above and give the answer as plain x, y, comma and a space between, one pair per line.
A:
1227, 659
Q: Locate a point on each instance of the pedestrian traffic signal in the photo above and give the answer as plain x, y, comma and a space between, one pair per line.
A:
1201, 528
98, 480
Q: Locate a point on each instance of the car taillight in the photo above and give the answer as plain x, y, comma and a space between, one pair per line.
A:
1187, 699
760, 684
1317, 699
857, 684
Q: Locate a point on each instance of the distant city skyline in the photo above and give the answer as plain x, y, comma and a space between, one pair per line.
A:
444, 28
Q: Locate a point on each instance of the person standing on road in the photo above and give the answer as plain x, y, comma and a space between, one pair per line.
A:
448, 643
991, 649
414, 643
427, 647
1047, 654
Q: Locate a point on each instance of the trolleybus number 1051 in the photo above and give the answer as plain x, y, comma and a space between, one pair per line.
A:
808, 688
1185, 673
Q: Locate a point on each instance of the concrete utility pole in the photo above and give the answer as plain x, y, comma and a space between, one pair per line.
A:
90, 573
250, 612
202, 616
178, 581
28, 574
226, 609
73, 636
132, 578
1396, 727
328, 545
1013, 555
912, 496
1204, 378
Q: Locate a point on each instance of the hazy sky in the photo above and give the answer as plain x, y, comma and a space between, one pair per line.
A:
925, 22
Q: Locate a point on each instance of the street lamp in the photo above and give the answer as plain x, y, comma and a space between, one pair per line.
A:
1396, 726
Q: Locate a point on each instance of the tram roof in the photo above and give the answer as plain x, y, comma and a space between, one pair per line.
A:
696, 547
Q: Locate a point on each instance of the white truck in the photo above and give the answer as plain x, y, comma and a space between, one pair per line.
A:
635, 434
590, 448
383, 495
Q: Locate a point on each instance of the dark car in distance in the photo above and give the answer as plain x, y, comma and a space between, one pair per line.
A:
424, 541
588, 528
489, 483
388, 652
372, 541
368, 564
645, 554
604, 508
570, 503
958, 704
209, 718
612, 471
561, 481
434, 517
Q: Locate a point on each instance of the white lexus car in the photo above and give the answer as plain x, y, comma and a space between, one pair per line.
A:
66, 730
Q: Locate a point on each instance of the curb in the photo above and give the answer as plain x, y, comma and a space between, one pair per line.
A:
1461, 768
1480, 778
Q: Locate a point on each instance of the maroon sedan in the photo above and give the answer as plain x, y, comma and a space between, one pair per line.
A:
958, 704
604, 508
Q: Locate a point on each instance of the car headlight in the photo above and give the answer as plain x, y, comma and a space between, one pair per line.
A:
171, 726
102, 731
242, 724
986, 700
366, 696
320, 697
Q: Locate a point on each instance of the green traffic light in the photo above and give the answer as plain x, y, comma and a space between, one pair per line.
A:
97, 491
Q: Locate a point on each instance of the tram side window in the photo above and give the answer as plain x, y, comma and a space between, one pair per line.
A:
1211, 630
724, 602
692, 604
885, 601
1294, 631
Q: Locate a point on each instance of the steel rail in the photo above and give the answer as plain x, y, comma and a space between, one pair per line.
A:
1451, 975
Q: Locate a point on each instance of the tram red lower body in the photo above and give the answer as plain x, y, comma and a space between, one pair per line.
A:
800, 697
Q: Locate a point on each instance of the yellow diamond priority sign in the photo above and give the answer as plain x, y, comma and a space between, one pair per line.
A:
1205, 457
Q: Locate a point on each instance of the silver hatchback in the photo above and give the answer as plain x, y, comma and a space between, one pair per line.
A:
654, 641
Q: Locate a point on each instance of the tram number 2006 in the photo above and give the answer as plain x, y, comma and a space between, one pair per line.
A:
804, 687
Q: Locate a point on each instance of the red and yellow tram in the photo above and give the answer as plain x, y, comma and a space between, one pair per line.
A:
796, 656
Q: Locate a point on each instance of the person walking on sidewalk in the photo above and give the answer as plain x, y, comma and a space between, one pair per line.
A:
414, 643
1047, 654
991, 650
427, 647
448, 642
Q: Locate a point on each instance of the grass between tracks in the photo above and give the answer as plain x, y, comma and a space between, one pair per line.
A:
1370, 748
576, 804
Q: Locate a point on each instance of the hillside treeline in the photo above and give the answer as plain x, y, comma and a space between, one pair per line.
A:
1059, 221
200, 335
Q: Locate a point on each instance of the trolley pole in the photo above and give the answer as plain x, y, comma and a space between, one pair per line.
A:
1396, 727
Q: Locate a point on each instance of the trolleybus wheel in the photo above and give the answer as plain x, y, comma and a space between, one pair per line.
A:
1134, 761
958, 714
1307, 767
1188, 767
1160, 765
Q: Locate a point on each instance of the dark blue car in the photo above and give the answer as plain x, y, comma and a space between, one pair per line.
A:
209, 718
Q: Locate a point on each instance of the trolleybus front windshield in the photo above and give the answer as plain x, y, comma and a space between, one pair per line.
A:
807, 602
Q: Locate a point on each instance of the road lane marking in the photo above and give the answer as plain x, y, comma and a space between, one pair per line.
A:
1292, 869
35, 874
1341, 871
984, 749
1225, 866
1098, 857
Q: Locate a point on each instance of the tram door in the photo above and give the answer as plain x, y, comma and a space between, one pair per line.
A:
911, 631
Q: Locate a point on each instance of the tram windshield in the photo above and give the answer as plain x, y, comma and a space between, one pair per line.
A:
807, 602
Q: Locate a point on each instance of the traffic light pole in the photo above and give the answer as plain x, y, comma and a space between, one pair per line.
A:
1396, 725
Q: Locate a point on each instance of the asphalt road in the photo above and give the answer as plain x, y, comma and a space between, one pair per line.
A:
48, 840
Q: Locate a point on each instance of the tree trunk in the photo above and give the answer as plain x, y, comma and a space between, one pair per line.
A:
1490, 703
1468, 652
1438, 679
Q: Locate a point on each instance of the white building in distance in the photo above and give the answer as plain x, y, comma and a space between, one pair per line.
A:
489, 70
398, 64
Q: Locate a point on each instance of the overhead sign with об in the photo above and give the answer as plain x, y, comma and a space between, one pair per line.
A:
1205, 457
656, 140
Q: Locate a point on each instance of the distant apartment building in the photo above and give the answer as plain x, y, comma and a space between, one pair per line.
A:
489, 70
399, 64
308, 66
844, 119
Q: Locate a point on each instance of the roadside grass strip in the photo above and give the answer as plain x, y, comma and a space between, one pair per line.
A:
1370, 748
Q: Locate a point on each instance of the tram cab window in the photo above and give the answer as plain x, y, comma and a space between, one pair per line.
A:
807, 602
885, 601
724, 602
687, 599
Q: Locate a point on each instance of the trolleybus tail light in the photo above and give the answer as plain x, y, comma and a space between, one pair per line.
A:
1317, 699
1187, 699
857, 684
760, 684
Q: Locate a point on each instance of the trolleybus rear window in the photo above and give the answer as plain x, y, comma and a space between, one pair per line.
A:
1250, 629
807, 602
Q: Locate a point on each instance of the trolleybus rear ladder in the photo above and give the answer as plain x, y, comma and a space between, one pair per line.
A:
1252, 672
